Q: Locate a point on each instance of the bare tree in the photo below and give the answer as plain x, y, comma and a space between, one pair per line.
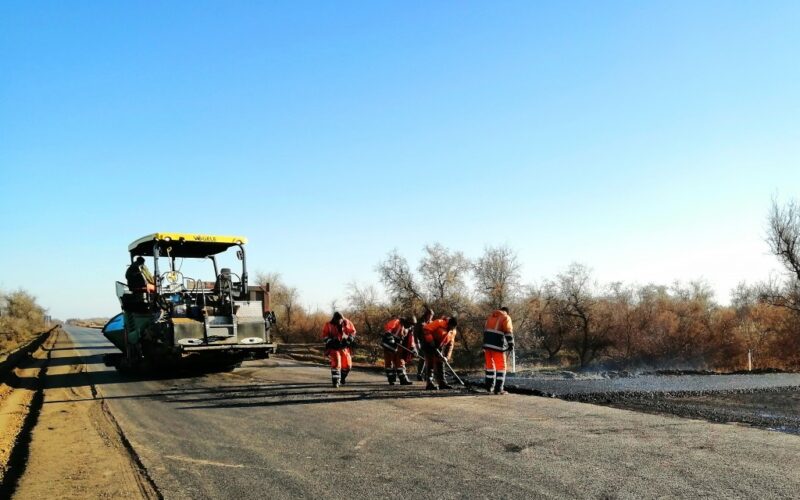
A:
497, 275
443, 275
401, 286
784, 241
625, 325
591, 331
285, 299
289, 299
548, 319
364, 303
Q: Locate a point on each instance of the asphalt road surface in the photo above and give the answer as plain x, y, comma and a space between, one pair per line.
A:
276, 429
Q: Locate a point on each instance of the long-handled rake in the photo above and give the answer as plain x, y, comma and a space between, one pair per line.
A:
446, 363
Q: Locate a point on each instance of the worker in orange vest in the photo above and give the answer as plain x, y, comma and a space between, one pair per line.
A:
437, 335
398, 348
339, 335
498, 338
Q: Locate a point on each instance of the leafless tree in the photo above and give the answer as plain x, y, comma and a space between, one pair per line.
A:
545, 312
591, 335
497, 276
364, 302
784, 242
625, 321
285, 299
444, 275
401, 286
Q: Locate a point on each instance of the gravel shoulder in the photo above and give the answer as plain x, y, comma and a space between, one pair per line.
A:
76, 449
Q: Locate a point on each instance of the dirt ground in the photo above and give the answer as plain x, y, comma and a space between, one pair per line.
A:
17, 395
76, 448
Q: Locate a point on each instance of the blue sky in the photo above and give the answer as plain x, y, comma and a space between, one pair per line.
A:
643, 139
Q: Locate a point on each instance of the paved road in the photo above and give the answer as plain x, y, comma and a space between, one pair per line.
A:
274, 429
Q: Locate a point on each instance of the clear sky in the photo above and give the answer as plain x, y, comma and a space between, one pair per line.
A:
643, 139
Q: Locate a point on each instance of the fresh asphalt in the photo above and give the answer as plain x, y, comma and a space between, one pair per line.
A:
276, 429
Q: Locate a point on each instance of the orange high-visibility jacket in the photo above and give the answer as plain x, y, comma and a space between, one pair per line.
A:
393, 333
498, 331
394, 327
436, 332
332, 331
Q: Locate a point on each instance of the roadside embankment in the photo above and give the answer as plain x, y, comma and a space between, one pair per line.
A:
20, 396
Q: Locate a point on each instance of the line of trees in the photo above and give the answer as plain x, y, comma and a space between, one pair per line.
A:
571, 319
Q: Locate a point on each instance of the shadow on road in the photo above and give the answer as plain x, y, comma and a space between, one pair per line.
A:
300, 394
95, 378
83, 347
275, 394
91, 359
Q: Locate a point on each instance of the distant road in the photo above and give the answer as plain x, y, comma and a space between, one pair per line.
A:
275, 429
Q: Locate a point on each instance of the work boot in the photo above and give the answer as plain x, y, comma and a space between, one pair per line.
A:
488, 381
431, 386
499, 387
391, 376
345, 373
335, 382
404, 379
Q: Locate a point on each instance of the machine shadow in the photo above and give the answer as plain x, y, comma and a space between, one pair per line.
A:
83, 347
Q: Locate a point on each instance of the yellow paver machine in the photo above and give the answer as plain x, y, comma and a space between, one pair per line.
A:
169, 320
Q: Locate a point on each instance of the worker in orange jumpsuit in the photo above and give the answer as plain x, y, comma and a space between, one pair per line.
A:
498, 338
437, 334
398, 349
339, 335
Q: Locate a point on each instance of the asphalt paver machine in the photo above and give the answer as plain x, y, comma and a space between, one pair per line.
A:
169, 320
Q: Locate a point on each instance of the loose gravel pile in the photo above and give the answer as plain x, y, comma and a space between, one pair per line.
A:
770, 401
565, 387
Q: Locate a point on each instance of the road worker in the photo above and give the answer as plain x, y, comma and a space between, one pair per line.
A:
498, 338
419, 339
437, 334
339, 335
139, 277
398, 349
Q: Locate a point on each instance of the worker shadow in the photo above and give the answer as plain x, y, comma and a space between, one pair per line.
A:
230, 394
305, 394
